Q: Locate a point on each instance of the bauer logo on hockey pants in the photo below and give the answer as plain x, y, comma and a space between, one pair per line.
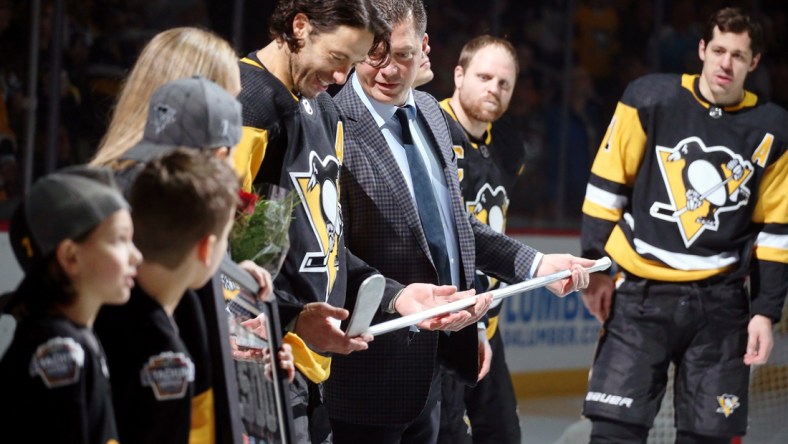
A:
604, 398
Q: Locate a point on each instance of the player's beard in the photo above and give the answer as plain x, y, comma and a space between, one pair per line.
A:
304, 79
477, 110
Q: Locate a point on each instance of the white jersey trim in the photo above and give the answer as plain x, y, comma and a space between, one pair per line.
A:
770, 240
687, 262
605, 198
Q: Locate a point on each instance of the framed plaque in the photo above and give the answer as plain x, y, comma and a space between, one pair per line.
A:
263, 402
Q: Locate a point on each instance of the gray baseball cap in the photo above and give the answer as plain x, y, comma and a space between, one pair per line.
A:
190, 112
63, 205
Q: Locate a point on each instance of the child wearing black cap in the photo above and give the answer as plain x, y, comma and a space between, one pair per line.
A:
73, 237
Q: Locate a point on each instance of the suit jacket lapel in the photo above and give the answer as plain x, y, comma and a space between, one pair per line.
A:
433, 117
372, 142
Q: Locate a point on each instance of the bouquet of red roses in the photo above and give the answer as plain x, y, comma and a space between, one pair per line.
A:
260, 233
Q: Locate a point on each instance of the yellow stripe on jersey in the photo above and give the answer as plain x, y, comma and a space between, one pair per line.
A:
316, 367
601, 212
772, 204
249, 153
203, 426
771, 254
623, 147
488, 131
688, 83
447, 107
492, 327
624, 255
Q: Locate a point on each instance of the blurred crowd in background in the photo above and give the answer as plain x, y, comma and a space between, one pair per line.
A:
576, 58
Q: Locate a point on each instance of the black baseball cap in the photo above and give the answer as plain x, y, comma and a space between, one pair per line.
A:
62, 205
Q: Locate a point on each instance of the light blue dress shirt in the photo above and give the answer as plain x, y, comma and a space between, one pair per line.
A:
391, 130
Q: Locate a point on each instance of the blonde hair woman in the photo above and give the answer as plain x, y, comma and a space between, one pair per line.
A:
170, 55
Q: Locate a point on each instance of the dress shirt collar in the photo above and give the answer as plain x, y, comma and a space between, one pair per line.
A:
383, 113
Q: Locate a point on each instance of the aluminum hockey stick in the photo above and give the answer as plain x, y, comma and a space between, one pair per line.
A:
531, 284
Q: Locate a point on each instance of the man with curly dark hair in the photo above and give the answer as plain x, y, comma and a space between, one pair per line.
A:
293, 138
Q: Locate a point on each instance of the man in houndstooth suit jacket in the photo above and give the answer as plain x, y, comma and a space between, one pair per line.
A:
390, 393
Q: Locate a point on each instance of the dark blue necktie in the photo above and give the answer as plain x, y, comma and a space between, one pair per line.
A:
430, 216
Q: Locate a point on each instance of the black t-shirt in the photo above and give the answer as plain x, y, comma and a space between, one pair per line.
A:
153, 372
55, 385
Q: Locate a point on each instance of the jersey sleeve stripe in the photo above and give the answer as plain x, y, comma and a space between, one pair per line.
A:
622, 148
605, 198
591, 208
771, 254
772, 240
772, 247
772, 204
248, 155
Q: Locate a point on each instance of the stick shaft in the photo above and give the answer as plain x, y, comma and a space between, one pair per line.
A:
531, 284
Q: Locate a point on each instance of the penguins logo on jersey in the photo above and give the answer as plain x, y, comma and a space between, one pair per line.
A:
702, 182
319, 192
490, 206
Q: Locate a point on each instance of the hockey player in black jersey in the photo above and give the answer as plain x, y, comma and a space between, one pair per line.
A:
490, 158
293, 138
688, 196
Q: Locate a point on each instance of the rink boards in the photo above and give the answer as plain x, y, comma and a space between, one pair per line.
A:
549, 340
